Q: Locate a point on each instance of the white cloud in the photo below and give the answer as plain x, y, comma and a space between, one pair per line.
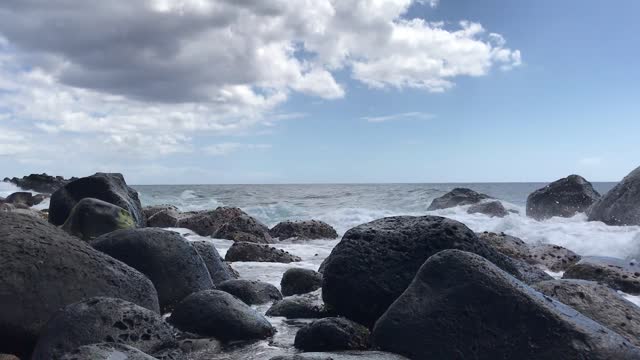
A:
224, 149
401, 116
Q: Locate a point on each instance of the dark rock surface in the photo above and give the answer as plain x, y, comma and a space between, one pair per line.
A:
107, 351
564, 198
296, 281
102, 319
168, 259
475, 312
149, 211
219, 314
303, 230
457, 197
244, 228
332, 334
616, 273
307, 306
491, 208
553, 257
598, 302
44, 269
251, 292
91, 218
164, 219
342, 355
218, 269
375, 262
508, 245
226, 223
621, 205
106, 187
42, 183
245, 251
24, 198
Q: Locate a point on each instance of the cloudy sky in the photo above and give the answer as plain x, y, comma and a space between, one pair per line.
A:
282, 91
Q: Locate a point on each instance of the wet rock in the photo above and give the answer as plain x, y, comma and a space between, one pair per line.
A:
250, 291
303, 230
226, 223
530, 274
42, 183
191, 349
616, 273
8, 357
91, 218
307, 306
375, 262
296, 281
475, 310
244, 251
553, 257
44, 269
342, 355
332, 334
564, 198
23, 198
102, 319
244, 228
457, 197
164, 219
491, 208
149, 211
508, 245
621, 205
107, 351
106, 187
22, 209
168, 259
219, 314
598, 302
218, 269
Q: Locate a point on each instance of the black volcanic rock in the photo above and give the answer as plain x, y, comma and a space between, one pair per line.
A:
251, 292
296, 281
332, 334
219, 270
102, 186
554, 257
564, 198
106, 351
457, 197
461, 306
618, 274
91, 218
303, 230
42, 183
621, 205
245, 251
342, 355
307, 306
491, 208
226, 223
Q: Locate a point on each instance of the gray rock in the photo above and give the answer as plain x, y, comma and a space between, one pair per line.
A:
457, 197
218, 269
296, 281
508, 245
106, 187
491, 208
164, 219
553, 257
226, 223
476, 309
107, 351
168, 259
621, 205
221, 315
303, 230
616, 273
342, 355
564, 198
245, 251
246, 229
42, 183
22, 198
44, 269
102, 320
149, 211
332, 334
251, 292
598, 302
91, 218
307, 306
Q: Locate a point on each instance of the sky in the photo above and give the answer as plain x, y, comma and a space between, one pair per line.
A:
320, 91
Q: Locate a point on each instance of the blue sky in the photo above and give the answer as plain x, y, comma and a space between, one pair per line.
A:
570, 105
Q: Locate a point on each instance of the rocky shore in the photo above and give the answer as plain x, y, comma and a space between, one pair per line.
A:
98, 276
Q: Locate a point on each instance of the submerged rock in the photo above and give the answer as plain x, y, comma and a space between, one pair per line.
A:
221, 315
251, 292
102, 320
42, 183
296, 281
621, 205
218, 269
478, 311
173, 265
106, 187
332, 334
564, 198
107, 351
91, 218
244, 251
457, 197
616, 273
307, 306
44, 269
303, 230
491, 208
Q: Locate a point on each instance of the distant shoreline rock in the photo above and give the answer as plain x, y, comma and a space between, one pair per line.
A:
457, 197
563, 198
41, 183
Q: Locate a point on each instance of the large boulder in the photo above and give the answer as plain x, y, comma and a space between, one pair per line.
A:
106, 187
342, 355
478, 311
168, 259
554, 257
42, 183
598, 302
307, 306
102, 320
251, 292
375, 262
244, 228
332, 334
621, 205
616, 273
246, 251
296, 281
91, 218
303, 230
107, 351
221, 315
491, 208
218, 269
457, 197
44, 269
564, 198
226, 223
